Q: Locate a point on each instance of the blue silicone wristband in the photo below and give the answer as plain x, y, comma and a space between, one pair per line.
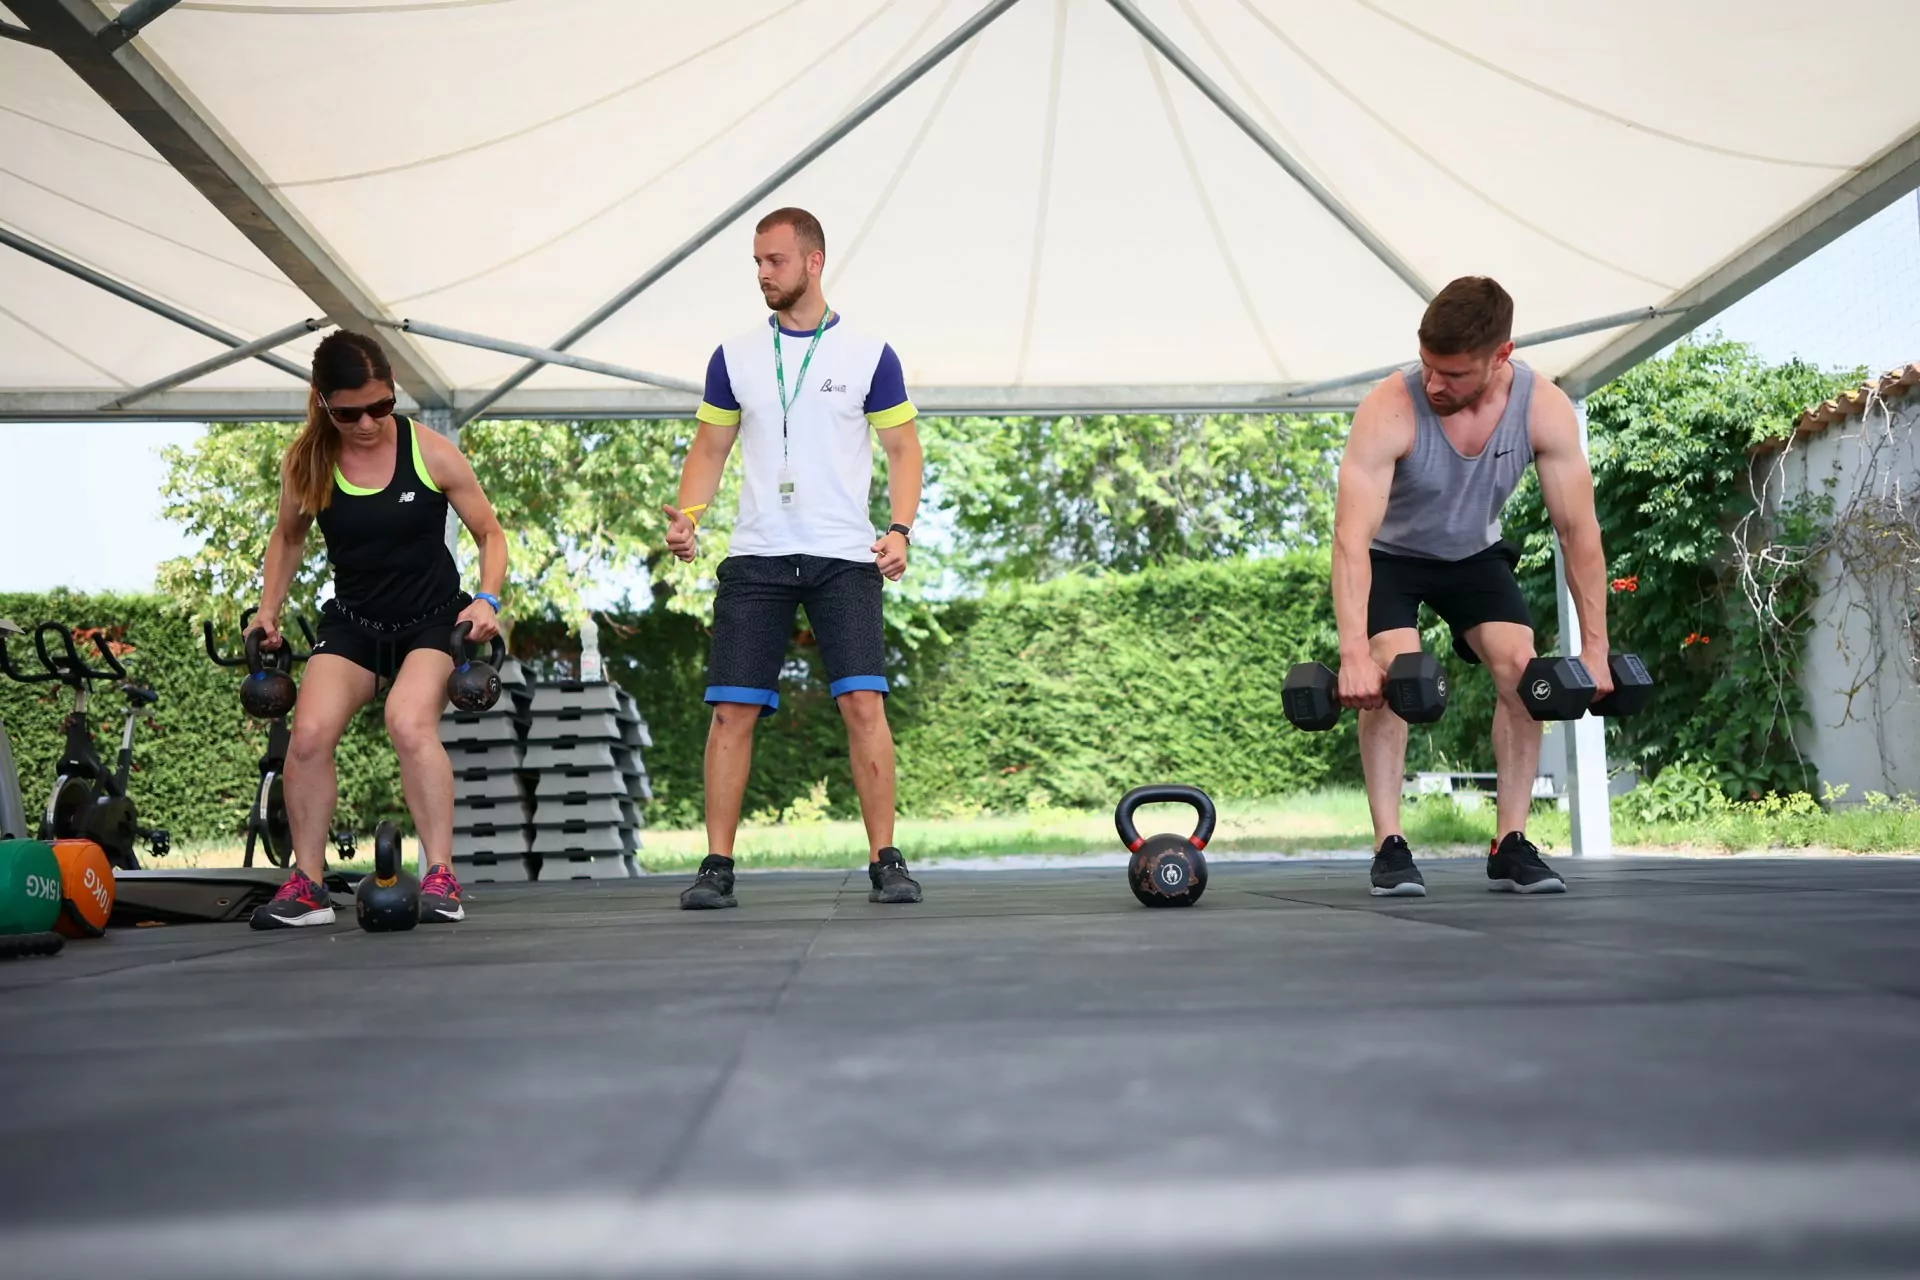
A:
492, 600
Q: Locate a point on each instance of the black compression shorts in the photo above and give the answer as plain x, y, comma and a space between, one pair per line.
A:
1465, 593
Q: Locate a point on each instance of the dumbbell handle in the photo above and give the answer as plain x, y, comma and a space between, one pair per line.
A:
1630, 678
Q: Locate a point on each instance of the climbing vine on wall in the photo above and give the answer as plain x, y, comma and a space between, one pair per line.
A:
1863, 521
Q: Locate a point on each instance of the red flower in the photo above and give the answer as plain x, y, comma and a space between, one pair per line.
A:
1627, 584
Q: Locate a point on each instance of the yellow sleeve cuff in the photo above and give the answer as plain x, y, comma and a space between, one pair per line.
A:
717, 416
898, 416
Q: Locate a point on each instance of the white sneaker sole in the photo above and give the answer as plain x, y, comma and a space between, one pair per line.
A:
322, 916
1555, 885
1400, 891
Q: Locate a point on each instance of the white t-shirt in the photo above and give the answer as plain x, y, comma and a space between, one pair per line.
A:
853, 387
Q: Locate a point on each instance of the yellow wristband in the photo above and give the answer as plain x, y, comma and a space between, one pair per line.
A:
693, 513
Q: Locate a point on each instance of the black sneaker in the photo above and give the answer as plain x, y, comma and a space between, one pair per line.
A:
1394, 875
890, 880
712, 888
1514, 866
299, 903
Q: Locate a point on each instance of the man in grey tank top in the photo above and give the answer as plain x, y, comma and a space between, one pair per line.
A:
1435, 452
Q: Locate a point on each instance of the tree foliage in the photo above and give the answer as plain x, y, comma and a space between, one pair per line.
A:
1034, 498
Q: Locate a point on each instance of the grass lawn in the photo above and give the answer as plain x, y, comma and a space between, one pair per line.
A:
1322, 822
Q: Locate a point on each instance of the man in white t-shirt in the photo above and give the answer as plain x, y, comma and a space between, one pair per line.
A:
804, 394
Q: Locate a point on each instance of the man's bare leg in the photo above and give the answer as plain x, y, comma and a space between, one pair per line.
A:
870, 744
1506, 648
729, 761
1383, 742
1514, 864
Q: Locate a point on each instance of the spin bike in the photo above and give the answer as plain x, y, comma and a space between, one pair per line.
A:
267, 826
90, 801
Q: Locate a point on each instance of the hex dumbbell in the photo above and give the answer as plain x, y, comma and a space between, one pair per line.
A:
1557, 688
1416, 692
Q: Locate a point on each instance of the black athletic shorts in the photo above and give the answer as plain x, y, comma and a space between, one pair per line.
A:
1465, 593
753, 621
381, 647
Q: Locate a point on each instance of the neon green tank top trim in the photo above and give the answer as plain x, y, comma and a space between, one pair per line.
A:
419, 469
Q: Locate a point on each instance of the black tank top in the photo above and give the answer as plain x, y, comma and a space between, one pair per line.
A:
388, 547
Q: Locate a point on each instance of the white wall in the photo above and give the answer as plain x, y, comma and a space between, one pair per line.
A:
1860, 673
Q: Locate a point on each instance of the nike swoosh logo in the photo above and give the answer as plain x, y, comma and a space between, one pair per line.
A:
1503, 453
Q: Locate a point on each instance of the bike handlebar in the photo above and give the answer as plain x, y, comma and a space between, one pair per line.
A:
76, 670
213, 649
14, 673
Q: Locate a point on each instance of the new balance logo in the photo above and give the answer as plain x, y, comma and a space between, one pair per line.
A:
407, 496
831, 385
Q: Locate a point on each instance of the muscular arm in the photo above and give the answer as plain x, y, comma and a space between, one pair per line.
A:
285, 549
905, 465
450, 469
1382, 434
706, 463
1566, 485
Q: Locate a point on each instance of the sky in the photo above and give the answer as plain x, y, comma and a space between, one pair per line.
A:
1855, 302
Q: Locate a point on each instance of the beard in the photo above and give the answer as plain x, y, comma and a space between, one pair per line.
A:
778, 301
1447, 408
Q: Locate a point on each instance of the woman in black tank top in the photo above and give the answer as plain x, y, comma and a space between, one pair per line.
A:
380, 487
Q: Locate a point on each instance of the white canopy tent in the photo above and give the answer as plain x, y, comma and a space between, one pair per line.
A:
1043, 204
543, 205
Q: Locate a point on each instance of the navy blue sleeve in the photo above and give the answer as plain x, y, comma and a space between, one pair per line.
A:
719, 405
887, 403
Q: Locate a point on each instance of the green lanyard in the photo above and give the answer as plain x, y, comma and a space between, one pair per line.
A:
780, 372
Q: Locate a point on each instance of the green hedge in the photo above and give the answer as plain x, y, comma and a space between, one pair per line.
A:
1067, 692
1072, 691
1056, 693
1063, 693
196, 753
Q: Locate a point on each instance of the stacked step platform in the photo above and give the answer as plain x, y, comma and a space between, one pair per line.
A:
548, 784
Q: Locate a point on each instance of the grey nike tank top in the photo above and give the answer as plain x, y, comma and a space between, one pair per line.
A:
1443, 504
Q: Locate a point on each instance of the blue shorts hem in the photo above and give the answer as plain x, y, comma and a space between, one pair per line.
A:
768, 700
851, 684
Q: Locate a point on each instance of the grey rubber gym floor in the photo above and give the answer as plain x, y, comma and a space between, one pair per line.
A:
1683, 1067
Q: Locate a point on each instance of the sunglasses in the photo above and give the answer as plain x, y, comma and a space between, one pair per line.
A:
347, 415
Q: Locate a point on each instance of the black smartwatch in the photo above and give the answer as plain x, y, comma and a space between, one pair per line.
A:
904, 530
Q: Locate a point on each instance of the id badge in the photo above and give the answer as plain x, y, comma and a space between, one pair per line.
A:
786, 488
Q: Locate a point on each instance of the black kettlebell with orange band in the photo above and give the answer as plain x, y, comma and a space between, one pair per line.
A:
387, 899
1166, 870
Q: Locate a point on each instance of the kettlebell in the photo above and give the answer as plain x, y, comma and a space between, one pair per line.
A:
1166, 870
474, 685
268, 691
388, 899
